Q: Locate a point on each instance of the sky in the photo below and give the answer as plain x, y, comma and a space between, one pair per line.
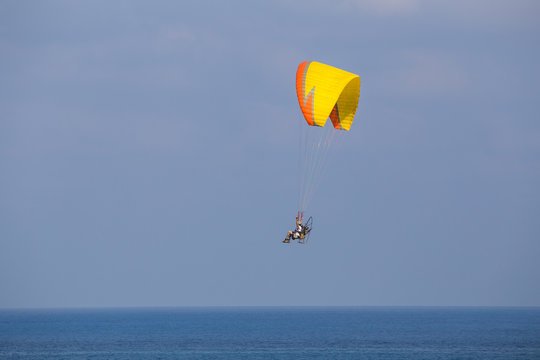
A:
148, 154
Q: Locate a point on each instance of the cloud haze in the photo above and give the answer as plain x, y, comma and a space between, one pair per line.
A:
148, 154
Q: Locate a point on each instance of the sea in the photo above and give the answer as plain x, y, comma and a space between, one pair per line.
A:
271, 333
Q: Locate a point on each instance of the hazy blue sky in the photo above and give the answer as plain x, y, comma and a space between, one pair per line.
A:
148, 154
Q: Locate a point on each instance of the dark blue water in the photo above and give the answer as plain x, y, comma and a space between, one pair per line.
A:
272, 333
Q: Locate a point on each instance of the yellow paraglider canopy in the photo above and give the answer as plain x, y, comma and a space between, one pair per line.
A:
325, 91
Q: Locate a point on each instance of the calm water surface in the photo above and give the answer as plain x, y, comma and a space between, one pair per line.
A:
271, 333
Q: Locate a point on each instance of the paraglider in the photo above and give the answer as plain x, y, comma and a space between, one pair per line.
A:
323, 92
302, 231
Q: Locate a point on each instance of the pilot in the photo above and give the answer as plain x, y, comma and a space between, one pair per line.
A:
298, 232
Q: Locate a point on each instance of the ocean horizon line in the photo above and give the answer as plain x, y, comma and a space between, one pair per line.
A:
270, 307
